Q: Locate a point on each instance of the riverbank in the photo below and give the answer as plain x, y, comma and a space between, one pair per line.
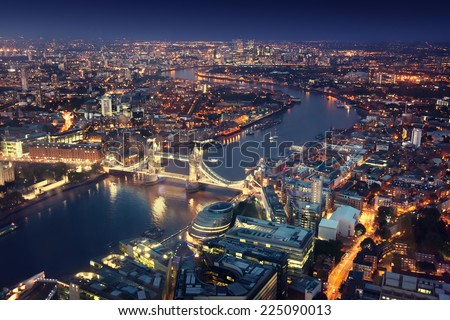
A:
359, 109
10, 215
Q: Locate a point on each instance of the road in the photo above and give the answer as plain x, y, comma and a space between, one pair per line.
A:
340, 272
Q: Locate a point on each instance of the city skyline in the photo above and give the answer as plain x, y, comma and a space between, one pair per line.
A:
137, 163
180, 21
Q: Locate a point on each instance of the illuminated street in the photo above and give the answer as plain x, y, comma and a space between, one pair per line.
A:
340, 272
225, 151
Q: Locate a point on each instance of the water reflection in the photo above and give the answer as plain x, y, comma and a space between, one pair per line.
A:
300, 124
63, 243
159, 209
114, 189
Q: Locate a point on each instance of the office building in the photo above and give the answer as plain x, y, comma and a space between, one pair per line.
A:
266, 256
295, 241
305, 288
310, 191
18, 147
416, 137
350, 198
238, 46
395, 286
70, 136
304, 214
317, 190
214, 220
6, 173
220, 277
106, 104
274, 209
62, 151
117, 277
24, 80
37, 287
341, 223
150, 253
328, 229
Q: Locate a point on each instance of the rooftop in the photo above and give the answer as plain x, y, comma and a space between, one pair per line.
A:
327, 223
270, 232
345, 213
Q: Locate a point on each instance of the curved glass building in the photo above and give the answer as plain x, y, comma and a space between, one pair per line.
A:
214, 220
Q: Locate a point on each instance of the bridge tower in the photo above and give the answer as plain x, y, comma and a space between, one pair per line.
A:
154, 156
195, 173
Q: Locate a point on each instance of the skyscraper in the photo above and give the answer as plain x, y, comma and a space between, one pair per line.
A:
54, 79
416, 137
106, 103
23, 77
238, 45
316, 190
305, 214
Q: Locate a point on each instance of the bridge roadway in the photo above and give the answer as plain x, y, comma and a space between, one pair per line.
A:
235, 186
172, 156
209, 176
238, 185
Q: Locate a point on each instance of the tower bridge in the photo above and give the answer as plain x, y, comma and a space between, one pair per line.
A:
151, 169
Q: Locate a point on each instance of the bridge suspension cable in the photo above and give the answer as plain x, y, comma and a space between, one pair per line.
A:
209, 173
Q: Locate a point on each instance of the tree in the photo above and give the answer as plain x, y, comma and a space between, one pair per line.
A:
375, 187
60, 170
367, 243
385, 233
329, 248
385, 213
430, 231
97, 168
48, 175
360, 229
76, 176
12, 199
426, 267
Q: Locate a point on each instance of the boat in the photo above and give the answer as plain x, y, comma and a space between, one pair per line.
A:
153, 233
340, 104
8, 229
274, 137
296, 100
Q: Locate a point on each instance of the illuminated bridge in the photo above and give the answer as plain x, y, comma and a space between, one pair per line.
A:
150, 168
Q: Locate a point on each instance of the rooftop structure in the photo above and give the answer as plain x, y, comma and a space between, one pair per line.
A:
266, 256
396, 286
224, 277
150, 253
118, 277
275, 210
345, 218
295, 241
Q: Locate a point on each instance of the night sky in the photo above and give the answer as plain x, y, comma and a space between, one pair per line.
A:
225, 20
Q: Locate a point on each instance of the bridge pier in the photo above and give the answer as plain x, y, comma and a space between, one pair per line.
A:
151, 171
193, 186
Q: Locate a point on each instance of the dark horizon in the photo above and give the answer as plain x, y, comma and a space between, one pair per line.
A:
346, 21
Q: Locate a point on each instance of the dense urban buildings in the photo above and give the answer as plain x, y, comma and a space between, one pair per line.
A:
225, 170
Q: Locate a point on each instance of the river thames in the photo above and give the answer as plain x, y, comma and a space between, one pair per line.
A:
62, 234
